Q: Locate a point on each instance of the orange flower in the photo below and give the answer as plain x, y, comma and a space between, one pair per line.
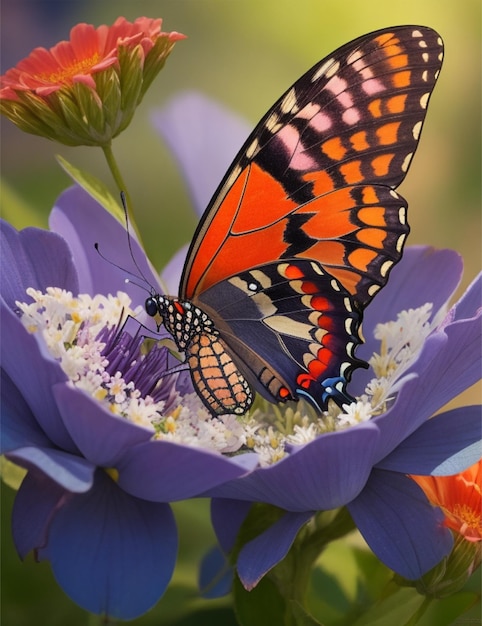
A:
84, 91
459, 497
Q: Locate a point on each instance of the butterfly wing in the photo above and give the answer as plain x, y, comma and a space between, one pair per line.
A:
316, 178
291, 329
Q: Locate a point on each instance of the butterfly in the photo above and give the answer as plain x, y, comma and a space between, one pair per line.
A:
304, 229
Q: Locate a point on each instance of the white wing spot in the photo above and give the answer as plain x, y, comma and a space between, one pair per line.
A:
422, 44
234, 174
288, 104
424, 100
322, 70
416, 130
416, 33
252, 149
317, 269
353, 57
348, 325
343, 368
347, 304
406, 161
400, 242
402, 215
272, 122
385, 268
331, 71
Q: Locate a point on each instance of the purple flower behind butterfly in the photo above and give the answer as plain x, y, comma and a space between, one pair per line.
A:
365, 466
82, 412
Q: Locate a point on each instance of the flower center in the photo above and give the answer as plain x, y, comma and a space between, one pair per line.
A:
86, 337
65, 75
469, 519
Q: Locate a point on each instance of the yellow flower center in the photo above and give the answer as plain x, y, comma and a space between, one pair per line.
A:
467, 517
64, 75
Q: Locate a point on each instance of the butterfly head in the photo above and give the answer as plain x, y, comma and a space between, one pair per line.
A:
181, 319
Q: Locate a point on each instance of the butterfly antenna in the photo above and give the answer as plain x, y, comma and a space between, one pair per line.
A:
123, 269
129, 242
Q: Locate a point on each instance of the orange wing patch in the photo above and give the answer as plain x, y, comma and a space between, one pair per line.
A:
246, 231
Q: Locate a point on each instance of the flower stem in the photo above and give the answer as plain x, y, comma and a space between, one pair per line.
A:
419, 612
119, 181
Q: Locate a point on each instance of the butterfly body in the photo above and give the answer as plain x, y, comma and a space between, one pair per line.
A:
305, 228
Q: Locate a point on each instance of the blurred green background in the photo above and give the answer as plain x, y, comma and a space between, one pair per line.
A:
245, 53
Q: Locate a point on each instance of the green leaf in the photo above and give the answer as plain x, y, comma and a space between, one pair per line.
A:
11, 474
300, 616
94, 187
398, 608
259, 607
346, 581
451, 610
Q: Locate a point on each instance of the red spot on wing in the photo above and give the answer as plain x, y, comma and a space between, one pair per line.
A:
284, 393
292, 272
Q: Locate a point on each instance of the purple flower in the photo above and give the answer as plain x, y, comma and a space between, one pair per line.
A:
364, 467
83, 412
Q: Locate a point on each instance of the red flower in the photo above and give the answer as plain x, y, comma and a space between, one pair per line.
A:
459, 497
84, 91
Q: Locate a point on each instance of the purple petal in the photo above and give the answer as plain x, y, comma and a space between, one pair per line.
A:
322, 475
470, 303
36, 501
111, 553
258, 556
423, 275
19, 426
83, 222
162, 471
33, 258
226, 517
399, 524
101, 437
72, 473
215, 575
449, 364
445, 444
33, 372
204, 137
171, 273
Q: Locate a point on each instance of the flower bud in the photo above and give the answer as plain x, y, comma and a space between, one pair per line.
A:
85, 91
